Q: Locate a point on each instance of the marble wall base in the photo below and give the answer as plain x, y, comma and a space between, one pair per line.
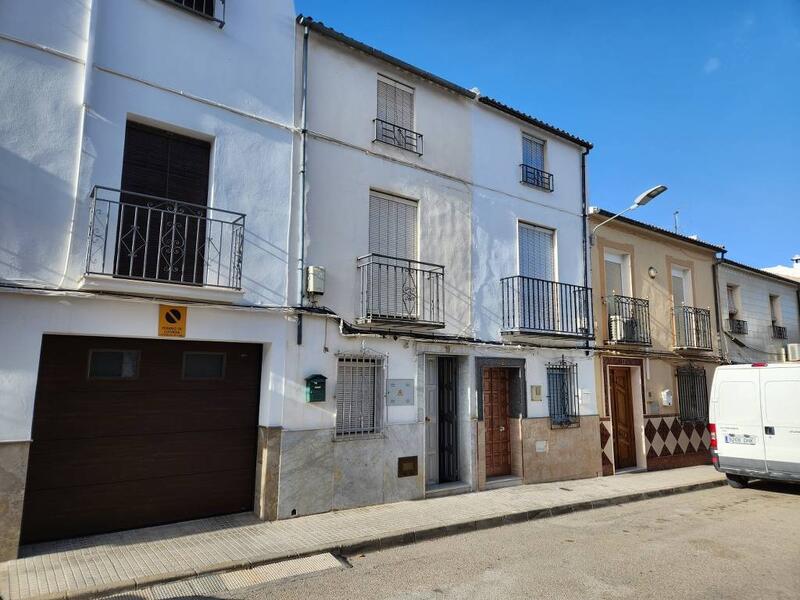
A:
267, 472
13, 472
319, 473
560, 454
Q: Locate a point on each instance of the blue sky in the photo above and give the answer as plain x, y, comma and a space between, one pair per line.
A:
701, 96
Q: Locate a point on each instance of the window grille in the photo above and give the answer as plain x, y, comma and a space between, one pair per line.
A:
562, 393
359, 395
203, 8
692, 394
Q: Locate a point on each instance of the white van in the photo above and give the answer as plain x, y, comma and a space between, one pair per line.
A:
754, 420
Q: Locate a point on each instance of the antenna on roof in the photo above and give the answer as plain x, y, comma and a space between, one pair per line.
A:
675, 217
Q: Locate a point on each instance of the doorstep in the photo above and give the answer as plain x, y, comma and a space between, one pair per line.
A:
440, 490
495, 483
111, 563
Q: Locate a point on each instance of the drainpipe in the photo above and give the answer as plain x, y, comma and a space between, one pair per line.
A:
723, 344
303, 166
585, 232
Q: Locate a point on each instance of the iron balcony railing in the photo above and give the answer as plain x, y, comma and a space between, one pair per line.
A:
628, 320
779, 332
400, 291
392, 134
692, 328
206, 9
537, 177
138, 236
541, 307
736, 326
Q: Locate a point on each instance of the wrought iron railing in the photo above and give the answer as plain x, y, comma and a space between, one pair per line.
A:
628, 320
206, 9
692, 328
400, 291
537, 177
538, 306
779, 332
402, 137
138, 236
736, 326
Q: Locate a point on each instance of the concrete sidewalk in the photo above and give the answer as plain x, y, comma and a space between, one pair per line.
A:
110, 563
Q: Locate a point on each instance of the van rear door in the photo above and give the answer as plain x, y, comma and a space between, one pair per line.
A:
780, 394
740, 439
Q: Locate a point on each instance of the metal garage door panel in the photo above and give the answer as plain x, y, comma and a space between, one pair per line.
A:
115, 454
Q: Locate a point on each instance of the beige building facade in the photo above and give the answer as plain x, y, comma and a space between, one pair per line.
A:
657, 344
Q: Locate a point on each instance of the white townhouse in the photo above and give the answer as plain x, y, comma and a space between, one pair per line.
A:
145, 205
454, 327
760, 313
250, 264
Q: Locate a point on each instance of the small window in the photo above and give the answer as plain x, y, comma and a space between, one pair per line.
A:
113, 364
394, 122
532, 165
692, 394
359, 396
203, 365
562, 394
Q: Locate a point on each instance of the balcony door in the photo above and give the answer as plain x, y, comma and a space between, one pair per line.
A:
394, 276
538, 299
157, 238
685, 320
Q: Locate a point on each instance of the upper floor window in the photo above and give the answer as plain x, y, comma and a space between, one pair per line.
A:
778, 331
203, 8
735, 322
536, 256
533, 172
618, 274
395, 116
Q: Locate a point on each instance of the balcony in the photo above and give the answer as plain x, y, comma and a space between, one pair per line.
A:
147, 238
692, 328
547, 308
736, 326
537, 177
628, 320
397, 136
400, 293
779, 332
206, 9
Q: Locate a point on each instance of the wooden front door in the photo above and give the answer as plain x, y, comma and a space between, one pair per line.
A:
495, 418
622, 415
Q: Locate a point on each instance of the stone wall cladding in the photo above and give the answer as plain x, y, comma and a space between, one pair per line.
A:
570, 453
13, 472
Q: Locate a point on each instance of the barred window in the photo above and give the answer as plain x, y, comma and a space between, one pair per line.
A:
562, 394
692, 394
359, 395
204, 7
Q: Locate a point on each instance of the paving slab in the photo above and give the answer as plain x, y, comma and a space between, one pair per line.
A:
102, 564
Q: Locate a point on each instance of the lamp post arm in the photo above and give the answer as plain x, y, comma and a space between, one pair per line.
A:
591, 236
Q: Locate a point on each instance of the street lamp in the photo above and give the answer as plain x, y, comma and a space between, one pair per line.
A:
641, 200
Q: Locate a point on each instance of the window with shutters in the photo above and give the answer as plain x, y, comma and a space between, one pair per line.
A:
359, 395
536, 252
533, 172
394, 123
692, 394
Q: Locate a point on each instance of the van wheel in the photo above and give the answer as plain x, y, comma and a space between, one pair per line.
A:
736, 481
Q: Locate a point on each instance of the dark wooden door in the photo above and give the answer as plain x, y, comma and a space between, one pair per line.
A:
622, 415
448, 419
159, 239
172, 438
496, 424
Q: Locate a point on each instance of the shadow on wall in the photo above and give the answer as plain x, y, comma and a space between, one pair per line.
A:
35, 212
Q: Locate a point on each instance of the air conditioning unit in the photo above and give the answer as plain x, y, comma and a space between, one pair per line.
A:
623, 328
315, 281
793, 352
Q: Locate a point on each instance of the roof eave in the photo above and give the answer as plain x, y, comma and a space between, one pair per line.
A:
676, 236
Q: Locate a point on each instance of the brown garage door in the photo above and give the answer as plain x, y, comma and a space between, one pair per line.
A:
129, 433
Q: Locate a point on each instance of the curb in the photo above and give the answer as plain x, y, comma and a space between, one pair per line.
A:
382, 543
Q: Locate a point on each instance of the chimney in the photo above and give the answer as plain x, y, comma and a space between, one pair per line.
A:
796, 262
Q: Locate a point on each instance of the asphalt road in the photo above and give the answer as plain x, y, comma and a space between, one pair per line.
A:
720, 543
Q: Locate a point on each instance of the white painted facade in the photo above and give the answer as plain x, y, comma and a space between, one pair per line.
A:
71, 83
760, 300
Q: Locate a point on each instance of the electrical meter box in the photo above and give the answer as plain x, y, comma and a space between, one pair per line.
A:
315, 388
